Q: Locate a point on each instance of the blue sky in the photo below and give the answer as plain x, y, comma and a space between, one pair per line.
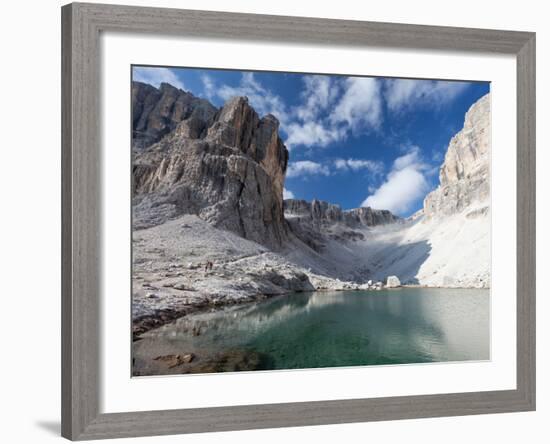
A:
354, 141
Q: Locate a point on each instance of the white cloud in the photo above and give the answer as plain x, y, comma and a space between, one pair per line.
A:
209, 86
287, 194
360, 106
412, 158
404, 185
404, 94
399, 192
324, 118
319, 93
303, 168
306, 167
155, 76
372, 166
311, 133
306, 126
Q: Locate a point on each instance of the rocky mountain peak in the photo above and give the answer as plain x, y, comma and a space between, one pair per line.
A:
464, 175
239, 125
467, 155
157, 112
227, 165
166, 88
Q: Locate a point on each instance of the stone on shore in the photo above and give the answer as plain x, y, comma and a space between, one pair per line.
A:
393, 282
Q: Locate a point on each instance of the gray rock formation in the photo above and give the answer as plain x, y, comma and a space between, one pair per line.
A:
156, 112
464, 175
393, 282
316, 221
366, 216
325, 213
227, 168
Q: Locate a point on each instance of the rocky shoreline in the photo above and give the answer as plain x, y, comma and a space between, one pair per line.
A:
163, 316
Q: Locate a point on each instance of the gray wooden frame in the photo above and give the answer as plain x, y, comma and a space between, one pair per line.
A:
81, 26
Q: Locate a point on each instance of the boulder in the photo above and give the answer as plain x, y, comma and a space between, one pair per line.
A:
393, 282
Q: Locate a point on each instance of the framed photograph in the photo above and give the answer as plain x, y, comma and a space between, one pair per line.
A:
278, 221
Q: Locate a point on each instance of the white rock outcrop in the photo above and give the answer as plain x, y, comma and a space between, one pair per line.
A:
393, 282
464, 175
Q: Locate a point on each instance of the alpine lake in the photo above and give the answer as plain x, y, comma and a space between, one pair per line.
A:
323, 329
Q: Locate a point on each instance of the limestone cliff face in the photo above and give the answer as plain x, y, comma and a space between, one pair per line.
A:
366, 216
239, 125
228, 168
315, 222
156, 112
325, 213
464, 175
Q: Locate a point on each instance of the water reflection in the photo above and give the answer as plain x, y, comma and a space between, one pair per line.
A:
325, 329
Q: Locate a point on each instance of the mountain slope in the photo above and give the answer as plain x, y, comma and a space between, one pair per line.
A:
228, 168
449, 244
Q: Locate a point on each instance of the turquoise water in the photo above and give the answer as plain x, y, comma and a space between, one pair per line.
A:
331, 329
